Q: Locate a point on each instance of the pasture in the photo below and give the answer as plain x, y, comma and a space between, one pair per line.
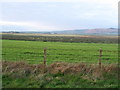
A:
32, 52
69, 64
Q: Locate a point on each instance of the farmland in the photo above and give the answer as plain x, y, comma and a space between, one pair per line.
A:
32, 52
64, 59
60, 38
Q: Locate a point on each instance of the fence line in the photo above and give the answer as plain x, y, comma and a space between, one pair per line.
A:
48, 55
45, 53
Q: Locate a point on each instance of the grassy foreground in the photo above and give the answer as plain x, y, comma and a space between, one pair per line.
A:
59, 75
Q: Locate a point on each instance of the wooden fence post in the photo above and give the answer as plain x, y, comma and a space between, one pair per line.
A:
100, 58
44, 70
45, 56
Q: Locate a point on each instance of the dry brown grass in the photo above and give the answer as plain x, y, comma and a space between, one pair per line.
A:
91, 71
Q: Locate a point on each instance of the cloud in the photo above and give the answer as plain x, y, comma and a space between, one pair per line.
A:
87, 1
13, 23
30, 25
70, 14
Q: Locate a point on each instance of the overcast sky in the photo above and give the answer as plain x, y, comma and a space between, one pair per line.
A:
50, 15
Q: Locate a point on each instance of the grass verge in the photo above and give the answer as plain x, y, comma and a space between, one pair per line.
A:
59, 75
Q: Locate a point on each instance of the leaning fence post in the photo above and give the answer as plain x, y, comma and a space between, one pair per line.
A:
100, 58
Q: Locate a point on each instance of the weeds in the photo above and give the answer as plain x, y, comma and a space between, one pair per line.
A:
59, 74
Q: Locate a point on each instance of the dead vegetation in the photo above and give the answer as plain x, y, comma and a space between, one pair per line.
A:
91, 72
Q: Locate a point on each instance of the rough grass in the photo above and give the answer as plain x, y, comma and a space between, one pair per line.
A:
59, 75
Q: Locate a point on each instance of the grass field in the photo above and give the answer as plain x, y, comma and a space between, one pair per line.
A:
64, 68
32, 52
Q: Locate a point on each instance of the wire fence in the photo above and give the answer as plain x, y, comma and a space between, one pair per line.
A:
76, 56
50, 55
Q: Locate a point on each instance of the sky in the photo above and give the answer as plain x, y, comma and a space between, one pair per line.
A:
53, 15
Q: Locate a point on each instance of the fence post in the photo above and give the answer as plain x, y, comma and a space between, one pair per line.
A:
45, 56
100, 58
44, 70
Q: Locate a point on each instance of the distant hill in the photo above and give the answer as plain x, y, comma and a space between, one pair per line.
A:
98, 31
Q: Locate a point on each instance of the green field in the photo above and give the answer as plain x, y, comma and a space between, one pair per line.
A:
32, 52
67, 55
